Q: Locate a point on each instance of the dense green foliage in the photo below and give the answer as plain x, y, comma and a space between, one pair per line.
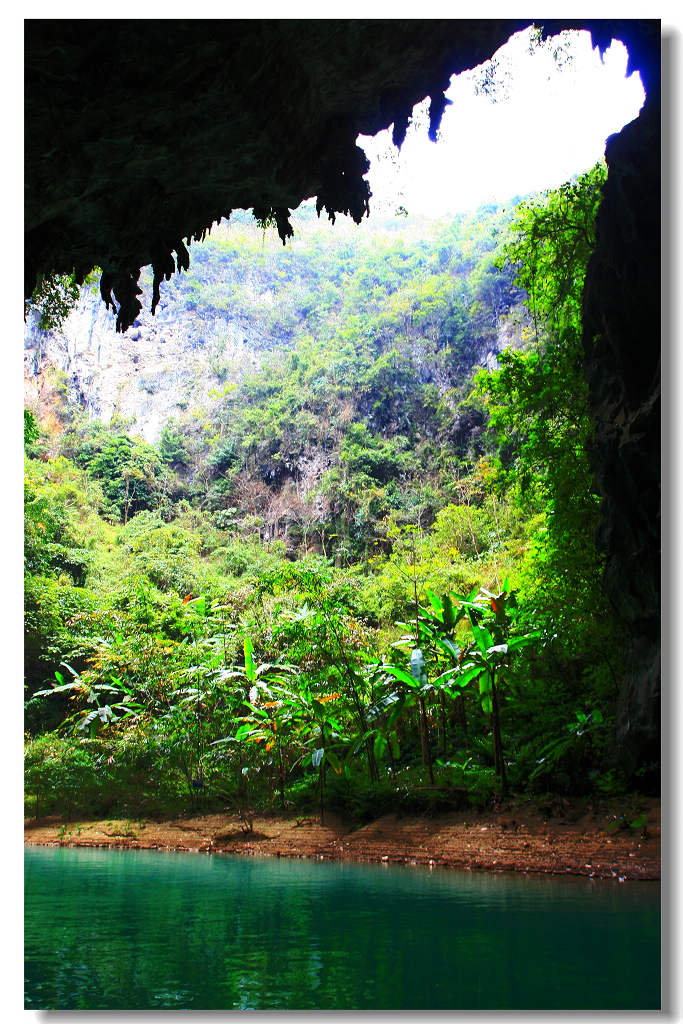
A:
361, 416
364, 576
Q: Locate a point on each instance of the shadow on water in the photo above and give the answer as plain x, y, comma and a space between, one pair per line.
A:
149, 930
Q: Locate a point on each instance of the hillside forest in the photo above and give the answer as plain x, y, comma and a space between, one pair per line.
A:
362, 576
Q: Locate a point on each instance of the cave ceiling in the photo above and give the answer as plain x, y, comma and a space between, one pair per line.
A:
141, 134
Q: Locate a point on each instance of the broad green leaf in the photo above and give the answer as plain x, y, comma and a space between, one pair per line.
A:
523, 641
223, 675
380, 745
449, 619
249, 670
89, 720
401, 674
447, 646
482, 637
199, 605
57, 689
485, 688
266, 667
448, 674
467, 673
383, 704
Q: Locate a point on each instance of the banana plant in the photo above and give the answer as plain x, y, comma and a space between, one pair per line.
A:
433, 635
309, 714
488, 654
103, 714
387, 704
263, 713
437, 627
318, 606
266, 723
272, 711
415, 688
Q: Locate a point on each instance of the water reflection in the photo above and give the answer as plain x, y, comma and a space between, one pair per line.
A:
147, 930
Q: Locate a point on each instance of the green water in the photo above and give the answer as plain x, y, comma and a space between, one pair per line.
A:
149, 930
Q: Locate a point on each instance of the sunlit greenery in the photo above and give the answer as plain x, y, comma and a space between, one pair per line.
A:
365, 577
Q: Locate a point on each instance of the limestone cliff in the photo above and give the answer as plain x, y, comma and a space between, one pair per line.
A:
160, 367
243, 298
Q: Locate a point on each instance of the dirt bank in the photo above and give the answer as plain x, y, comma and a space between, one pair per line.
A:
578, 839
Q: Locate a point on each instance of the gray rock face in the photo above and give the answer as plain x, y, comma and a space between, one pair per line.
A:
160, 367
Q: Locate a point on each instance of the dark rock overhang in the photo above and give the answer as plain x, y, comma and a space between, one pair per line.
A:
141, 134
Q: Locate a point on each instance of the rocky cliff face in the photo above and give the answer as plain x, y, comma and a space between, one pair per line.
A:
160, 367
215, 324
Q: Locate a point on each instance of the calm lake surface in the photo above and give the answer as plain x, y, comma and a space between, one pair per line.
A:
117, 929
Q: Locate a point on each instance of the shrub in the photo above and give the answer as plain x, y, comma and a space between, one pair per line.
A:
60, 773
125, 773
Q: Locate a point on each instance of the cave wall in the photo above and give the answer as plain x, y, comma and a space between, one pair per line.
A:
622, 345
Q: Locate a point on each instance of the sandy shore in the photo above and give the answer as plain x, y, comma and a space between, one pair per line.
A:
576, 841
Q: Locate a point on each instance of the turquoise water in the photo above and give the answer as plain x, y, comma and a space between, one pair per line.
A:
117, 929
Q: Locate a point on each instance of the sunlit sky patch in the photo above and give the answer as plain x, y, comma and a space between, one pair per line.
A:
545, 117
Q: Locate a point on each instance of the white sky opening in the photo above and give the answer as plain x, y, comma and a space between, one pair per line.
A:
546, 116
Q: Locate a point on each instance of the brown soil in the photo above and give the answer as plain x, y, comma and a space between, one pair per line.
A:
565, 839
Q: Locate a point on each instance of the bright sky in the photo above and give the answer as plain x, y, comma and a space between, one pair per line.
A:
545, 121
